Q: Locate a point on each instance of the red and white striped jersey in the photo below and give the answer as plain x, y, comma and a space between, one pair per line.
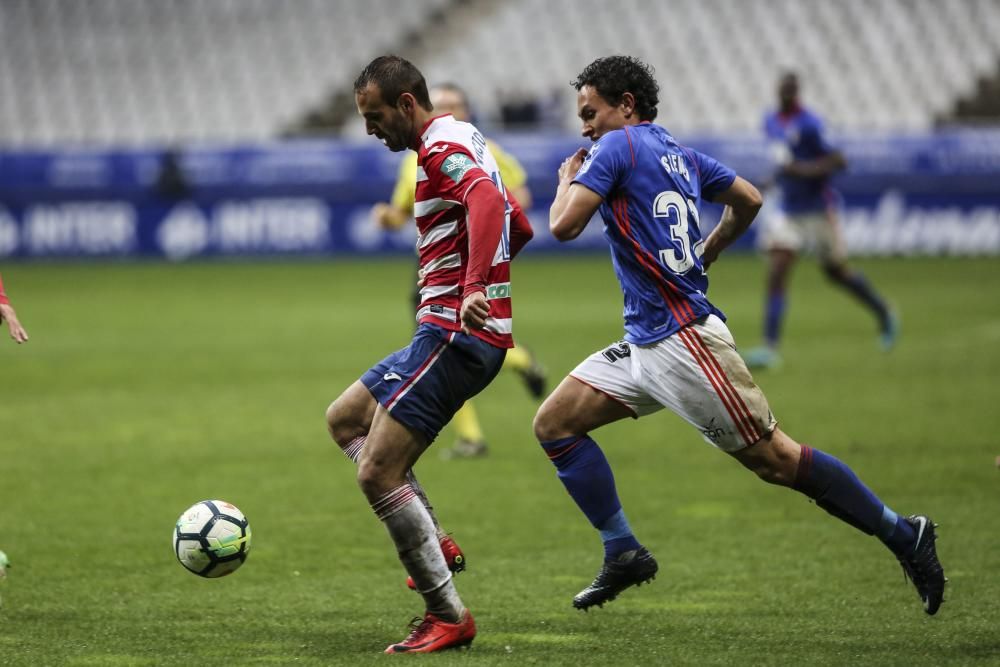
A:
451, 159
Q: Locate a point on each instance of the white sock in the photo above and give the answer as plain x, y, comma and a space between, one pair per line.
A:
410, 527
352, 450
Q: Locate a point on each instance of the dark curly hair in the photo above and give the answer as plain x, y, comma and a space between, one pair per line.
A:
613, 76
394, 76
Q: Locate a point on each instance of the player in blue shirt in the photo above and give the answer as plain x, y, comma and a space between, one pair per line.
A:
677, 351
806, 218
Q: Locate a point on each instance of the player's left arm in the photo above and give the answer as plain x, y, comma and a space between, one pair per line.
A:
455, 174
830, 162
742, 201
486, 209
821, 167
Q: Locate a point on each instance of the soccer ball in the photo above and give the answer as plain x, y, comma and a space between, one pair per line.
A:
212, 538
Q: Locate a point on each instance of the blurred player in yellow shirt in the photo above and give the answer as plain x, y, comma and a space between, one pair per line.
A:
449, 98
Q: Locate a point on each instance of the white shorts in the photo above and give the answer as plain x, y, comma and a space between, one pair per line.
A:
817, 232
696, 372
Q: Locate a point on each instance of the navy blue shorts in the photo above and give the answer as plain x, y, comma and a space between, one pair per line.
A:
424, 384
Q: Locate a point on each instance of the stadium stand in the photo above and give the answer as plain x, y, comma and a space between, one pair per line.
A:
718, 60
134, 71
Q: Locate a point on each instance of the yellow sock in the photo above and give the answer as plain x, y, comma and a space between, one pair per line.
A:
517, 359
467, 423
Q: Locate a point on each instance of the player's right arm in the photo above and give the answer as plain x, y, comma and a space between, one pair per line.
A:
574, 204
586, 179
7, 313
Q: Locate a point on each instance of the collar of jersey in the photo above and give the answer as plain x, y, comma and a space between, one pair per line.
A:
427, 125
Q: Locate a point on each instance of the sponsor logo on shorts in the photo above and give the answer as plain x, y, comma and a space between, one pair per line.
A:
389, 377
712, 432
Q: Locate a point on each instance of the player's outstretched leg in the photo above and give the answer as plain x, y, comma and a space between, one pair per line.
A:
855, 283
833, 485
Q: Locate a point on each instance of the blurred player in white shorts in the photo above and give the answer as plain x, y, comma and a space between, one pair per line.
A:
805, 218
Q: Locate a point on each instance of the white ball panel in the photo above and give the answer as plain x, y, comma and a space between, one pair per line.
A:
191, 555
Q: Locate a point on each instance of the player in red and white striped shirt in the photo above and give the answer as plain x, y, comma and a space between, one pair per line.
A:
7, 313
469, 229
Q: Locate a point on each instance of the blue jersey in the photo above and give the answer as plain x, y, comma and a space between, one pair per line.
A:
800, 133
652, 187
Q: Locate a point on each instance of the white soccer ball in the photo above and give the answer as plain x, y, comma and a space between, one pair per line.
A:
212, 538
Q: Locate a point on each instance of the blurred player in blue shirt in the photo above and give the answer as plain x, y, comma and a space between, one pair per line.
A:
677, 351
806, 218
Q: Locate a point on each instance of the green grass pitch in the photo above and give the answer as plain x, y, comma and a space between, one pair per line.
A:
147, 387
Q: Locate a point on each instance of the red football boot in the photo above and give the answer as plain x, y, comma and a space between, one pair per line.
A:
452, 555
433, 634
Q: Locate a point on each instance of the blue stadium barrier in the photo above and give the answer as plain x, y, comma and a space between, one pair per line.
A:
929, 194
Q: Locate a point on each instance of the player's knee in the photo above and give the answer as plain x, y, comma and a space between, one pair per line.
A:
376, 477
369, 478
774, 459
548, 426
771, 474
341, 426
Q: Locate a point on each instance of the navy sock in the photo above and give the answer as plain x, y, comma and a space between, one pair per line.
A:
856, 283
838, 490
586, 474
774, 317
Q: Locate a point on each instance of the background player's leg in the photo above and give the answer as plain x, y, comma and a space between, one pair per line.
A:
855, 283
469, 439
522, 361
780, 262
389, 453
